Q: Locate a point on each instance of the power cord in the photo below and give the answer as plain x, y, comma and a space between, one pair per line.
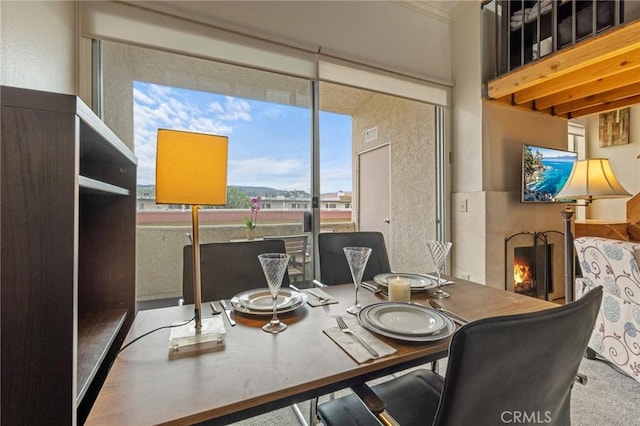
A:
153, 331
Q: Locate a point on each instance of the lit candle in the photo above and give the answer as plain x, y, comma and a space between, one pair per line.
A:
399, 290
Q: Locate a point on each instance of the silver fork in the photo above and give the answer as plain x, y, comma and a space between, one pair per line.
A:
345, 329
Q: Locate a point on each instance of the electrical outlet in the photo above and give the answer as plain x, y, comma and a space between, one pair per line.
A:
462, 206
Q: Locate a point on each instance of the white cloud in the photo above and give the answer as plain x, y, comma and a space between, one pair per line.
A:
266, 166
266, 171
138, 96
273, 112
236, 109
335, 179
216, 107
165, 107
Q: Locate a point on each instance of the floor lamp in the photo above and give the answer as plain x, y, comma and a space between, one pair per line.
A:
589, 180
191, 168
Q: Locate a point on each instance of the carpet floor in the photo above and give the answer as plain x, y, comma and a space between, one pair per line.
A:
609, 398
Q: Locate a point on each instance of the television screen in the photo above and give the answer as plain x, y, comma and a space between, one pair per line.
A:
544, 172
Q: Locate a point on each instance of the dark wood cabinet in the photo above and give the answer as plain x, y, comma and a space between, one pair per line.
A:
67, 288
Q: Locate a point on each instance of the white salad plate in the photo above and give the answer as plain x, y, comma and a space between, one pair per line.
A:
417, 282
259, 301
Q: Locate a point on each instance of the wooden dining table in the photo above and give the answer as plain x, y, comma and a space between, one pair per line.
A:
256, 372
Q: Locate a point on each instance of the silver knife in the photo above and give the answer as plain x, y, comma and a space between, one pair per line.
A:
227, 312
455, 317
374, 288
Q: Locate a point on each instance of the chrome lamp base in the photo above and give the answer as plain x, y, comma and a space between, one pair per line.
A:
187, 338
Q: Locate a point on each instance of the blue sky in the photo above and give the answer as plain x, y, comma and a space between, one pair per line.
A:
549, 153
269, 144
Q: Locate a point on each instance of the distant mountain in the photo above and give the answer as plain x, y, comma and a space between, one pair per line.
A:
263, 191
149, 191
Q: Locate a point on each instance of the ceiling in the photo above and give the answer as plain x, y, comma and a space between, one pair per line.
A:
443, 9
597, 75
404, 37
594, 76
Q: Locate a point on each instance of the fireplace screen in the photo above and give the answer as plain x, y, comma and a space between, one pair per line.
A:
529, 264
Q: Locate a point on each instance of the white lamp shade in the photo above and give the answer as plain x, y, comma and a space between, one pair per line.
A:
592, 179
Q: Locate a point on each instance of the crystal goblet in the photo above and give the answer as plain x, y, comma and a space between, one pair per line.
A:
357, 259
439, 251
274, 266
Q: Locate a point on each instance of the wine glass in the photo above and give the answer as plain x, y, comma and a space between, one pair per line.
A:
439, 251
274, 266
357, 259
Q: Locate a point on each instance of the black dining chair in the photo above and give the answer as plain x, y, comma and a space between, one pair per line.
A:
334, 268
227, 269
500, 370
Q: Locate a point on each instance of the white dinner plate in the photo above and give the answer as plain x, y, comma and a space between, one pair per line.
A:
383, 329
296, 300
405, 319
417, 282
260, 299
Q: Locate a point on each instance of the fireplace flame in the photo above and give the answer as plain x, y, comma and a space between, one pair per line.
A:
521, 272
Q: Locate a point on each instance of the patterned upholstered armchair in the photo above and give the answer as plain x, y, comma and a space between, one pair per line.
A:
613, 264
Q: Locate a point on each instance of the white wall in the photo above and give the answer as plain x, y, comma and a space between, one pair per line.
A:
37, 45
468, 229
487, 144
625, 164
467, 101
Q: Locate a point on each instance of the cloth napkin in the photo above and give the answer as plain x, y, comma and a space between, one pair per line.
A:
352, 347
315, 301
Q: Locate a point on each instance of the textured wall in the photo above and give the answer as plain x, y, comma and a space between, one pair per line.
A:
408, 127
37, 45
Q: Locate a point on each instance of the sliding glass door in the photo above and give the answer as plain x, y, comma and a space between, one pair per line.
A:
373, 158
268, 120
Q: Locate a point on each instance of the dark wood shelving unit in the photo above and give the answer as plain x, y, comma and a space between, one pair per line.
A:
96, 333
68, 255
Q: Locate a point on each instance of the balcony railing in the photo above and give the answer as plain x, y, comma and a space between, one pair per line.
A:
526, 30
162, 235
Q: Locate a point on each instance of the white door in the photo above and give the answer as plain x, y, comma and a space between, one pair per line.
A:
373, 192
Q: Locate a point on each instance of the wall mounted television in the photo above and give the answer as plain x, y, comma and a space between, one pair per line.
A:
544, 172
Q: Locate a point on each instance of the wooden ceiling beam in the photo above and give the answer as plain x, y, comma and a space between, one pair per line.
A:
591, 73
601, 47
609, 106
599, 86
600, 98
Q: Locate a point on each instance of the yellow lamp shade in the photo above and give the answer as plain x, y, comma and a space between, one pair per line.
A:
191, 168
592, 179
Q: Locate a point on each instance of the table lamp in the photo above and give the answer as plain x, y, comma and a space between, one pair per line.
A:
191, 168
589, 180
